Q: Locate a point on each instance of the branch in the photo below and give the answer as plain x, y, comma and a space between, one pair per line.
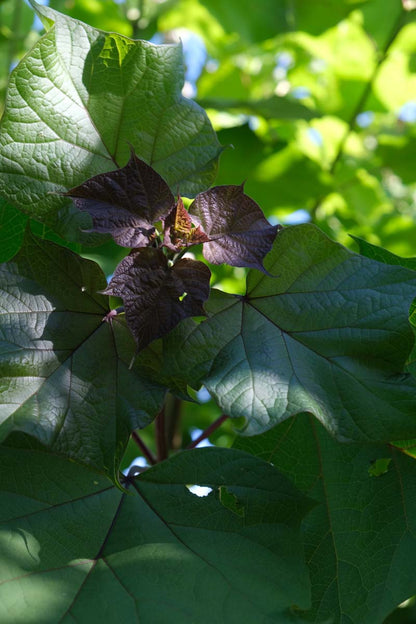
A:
162, 451
145, 450
362, 100
205, 434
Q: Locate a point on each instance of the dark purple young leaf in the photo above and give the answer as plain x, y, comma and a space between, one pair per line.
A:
179, 231
239, 233
125, 202
156, 296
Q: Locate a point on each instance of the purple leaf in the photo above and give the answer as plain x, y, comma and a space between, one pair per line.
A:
125, 202
179, 231
239, 233
156, 296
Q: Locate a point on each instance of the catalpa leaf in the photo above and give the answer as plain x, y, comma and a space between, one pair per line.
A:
360, 541
157, 296
178, 229
238, 232
330, 336
78, 100
125, 202
155, 554
64, 376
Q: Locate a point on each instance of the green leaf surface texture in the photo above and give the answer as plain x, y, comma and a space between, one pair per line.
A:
76, 549
65, 379
12, 229
77, 103
328, 335
360, 541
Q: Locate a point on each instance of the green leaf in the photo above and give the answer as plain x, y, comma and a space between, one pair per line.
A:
379, 467
383, 255
12, 229
273, 107
328, 335
156, 554
360, 541
64, 372
76, 104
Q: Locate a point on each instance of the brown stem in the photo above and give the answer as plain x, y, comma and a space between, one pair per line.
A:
173, 408
162, 450
145, 450
205, 434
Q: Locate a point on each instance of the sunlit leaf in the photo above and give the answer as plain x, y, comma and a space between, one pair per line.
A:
239, 233
64, 372
330, 335
125, 202
77, 102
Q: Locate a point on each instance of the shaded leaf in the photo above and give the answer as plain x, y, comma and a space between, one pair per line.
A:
12, 229
179, 232
75, 104
158, 553
125, 202
239, 233
64, 373
330, 336
360, 541
156, 296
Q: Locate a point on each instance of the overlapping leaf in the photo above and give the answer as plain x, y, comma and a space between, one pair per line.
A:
156, 554
360, 542
156, 296
12, 228
178, 230
329, 335
64, 372
239, 233
125, 202
79, 99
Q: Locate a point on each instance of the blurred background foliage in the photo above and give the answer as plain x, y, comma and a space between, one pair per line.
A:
315, 99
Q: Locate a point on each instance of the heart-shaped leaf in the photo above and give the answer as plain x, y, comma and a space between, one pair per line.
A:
239, 233
156, 296
64, 372
125, 202
330, 336
77, 102
360, 542
157, 553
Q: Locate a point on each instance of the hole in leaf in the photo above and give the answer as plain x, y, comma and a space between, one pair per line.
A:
199, 490
182, 296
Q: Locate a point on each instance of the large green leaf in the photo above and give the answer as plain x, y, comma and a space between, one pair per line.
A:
75, 549
360, 542
64, 372
329, 334
79, 100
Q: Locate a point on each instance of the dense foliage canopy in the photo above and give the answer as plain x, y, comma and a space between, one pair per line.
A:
207, 233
